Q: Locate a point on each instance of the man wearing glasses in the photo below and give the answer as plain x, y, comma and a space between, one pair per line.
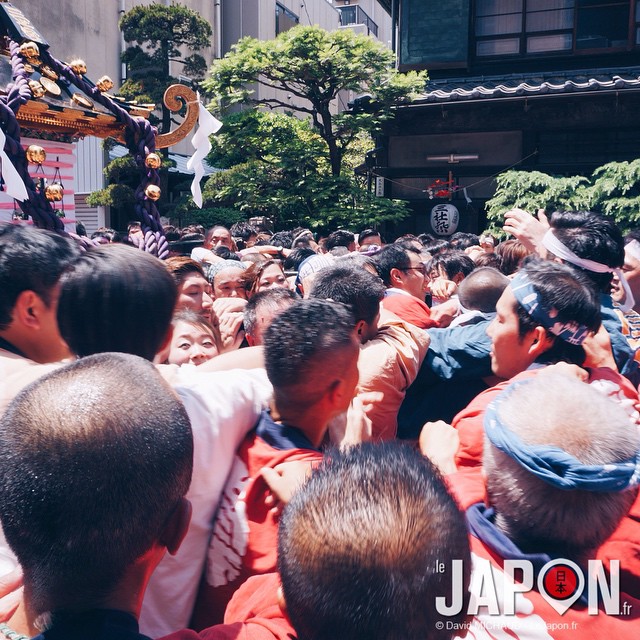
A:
404, 275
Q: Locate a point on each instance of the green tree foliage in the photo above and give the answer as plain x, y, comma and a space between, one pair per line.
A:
161, 34
613, 190
277, 166
311, 67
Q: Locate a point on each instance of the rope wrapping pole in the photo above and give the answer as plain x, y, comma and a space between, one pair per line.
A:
18, 93
140, 138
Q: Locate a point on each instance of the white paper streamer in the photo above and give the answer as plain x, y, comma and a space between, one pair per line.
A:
13, 183
207, 125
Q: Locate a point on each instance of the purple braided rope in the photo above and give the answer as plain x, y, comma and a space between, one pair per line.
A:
140, 137
18, 93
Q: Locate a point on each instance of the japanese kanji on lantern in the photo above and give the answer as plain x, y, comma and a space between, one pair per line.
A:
444, 219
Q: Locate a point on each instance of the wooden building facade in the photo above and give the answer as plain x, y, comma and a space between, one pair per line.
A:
546, 85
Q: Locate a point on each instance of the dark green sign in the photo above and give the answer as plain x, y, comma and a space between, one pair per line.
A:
434, 34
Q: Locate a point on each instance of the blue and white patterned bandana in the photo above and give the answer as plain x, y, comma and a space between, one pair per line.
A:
554, 465
525, 293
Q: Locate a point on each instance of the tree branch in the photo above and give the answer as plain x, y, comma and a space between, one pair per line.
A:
272, 103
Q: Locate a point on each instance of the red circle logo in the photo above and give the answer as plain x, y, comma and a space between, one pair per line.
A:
561, 582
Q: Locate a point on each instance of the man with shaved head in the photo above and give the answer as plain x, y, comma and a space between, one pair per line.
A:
95, 461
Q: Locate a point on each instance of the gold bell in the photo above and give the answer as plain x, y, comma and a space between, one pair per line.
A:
78, 66
36, 154
153, 161
29, 50
54, 192
37, 90
152, 192
104, 84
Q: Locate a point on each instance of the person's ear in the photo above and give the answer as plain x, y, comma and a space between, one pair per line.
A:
539, 342
395, 276
27, 309
459, 277
176, 528
361, 326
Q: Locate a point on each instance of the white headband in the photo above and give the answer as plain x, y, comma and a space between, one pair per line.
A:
633, 248
551, 243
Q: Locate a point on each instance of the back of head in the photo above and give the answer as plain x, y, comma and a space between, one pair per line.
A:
461, 240
359, 543
568, 512
304, 348
282, 239
481, 289
512, 253
340, 238
591, 236
451, 263
94, 457
265, 305
391, 256
570, 298
30, 260
354, 286
116, 298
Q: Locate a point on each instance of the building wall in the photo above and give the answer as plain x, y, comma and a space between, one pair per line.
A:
89, 30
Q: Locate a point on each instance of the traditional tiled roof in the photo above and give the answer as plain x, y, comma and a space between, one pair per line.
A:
524, 85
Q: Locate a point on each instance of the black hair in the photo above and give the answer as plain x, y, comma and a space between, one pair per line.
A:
30, 260
390, 257
116, 298
242, 231
94, 458
368, 233
591, 236
282, 239
339, 238
436, 246
304, 347
354, 286
297, 257
571, 294
452, 263
360, 544
461, 240
276, 298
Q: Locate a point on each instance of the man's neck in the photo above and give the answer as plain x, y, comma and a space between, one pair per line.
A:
308, 420
9, 346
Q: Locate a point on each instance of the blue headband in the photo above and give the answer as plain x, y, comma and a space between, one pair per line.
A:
554, 465
525, 293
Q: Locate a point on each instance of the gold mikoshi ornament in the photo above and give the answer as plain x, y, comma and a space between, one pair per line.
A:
29, 50
36, 154
54, 192
152, 192
78, 66
104, 84
153, 161
37, 90
48, 72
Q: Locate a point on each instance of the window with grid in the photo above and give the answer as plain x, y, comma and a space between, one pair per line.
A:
526, 27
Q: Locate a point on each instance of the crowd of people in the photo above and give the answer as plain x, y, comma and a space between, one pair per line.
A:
277, 435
